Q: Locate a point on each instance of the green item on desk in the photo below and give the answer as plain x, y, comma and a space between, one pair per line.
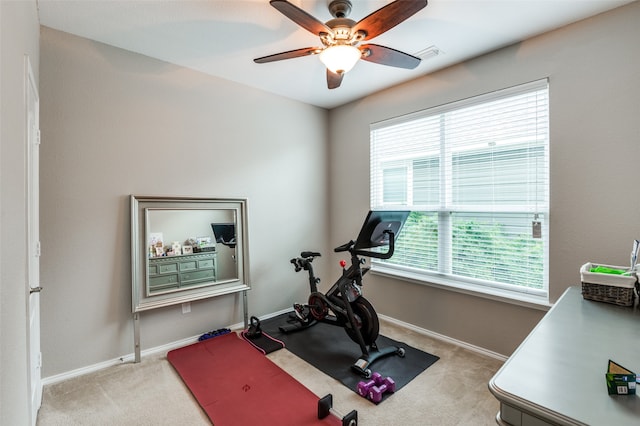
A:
605, 270
620, 381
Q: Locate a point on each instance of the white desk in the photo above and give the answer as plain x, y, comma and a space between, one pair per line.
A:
556, 376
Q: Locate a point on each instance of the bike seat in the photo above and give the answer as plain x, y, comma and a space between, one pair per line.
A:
306, 254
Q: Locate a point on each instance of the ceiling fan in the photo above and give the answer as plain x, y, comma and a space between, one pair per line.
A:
341, 36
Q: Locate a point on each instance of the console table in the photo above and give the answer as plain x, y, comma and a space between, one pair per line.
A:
177, 272
557, 375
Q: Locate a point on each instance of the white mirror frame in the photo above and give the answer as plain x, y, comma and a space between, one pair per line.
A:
140, 206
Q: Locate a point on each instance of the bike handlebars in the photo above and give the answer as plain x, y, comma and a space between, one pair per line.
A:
349, 246
344, 247
379, 255
306, 257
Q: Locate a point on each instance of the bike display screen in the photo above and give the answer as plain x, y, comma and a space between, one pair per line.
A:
376, 228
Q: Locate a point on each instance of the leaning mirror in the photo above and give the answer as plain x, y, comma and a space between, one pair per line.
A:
186, 249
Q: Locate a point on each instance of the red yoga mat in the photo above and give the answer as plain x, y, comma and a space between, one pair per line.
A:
237, 385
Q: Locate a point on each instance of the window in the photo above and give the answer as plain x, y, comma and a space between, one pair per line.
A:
474, 174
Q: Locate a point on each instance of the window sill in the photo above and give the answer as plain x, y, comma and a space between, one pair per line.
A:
514, 298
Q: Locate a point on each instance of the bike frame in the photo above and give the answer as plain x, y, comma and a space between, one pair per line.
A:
346, 290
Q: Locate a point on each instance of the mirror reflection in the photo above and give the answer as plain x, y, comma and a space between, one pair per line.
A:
189, 248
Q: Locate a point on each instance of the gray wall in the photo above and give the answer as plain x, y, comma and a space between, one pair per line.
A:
115, 123
19, 35
594, 71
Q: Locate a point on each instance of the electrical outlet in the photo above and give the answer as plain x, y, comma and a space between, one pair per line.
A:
186, 308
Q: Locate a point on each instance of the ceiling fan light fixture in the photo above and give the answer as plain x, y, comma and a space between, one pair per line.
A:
340, 58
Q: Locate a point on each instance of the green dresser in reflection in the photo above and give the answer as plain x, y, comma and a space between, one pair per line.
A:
179, 272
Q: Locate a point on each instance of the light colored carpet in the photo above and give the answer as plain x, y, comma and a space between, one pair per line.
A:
453, 391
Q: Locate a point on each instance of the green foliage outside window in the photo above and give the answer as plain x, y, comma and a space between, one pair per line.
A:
486, 250
489, 252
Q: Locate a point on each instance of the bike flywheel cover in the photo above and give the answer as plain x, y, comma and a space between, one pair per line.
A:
317, 306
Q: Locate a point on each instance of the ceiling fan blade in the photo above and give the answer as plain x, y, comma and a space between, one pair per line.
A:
388, 56
334, 79
288, 55
388, 17
300, 17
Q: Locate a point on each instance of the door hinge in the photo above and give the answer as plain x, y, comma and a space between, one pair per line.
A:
37, 141
38, 249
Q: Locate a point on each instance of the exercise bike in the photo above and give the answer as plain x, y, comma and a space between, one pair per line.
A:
343, 304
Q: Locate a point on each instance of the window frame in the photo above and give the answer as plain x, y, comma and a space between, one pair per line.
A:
445, 279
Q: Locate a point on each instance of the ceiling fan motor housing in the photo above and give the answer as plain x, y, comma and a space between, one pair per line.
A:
341, 32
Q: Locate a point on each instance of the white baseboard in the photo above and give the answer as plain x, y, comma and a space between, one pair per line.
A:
127, 358
239, 326
275, 314
444, 338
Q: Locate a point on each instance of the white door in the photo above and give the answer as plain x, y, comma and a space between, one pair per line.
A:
33, 238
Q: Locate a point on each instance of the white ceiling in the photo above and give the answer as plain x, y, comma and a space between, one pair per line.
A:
222, 37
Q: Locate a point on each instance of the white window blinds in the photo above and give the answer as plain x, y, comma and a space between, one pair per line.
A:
474, 173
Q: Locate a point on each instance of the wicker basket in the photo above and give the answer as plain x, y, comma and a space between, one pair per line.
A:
615, 289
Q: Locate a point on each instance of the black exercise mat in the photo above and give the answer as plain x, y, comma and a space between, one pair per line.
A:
329, 349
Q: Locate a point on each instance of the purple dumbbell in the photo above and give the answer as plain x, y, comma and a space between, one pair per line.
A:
364, 387
375, 392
